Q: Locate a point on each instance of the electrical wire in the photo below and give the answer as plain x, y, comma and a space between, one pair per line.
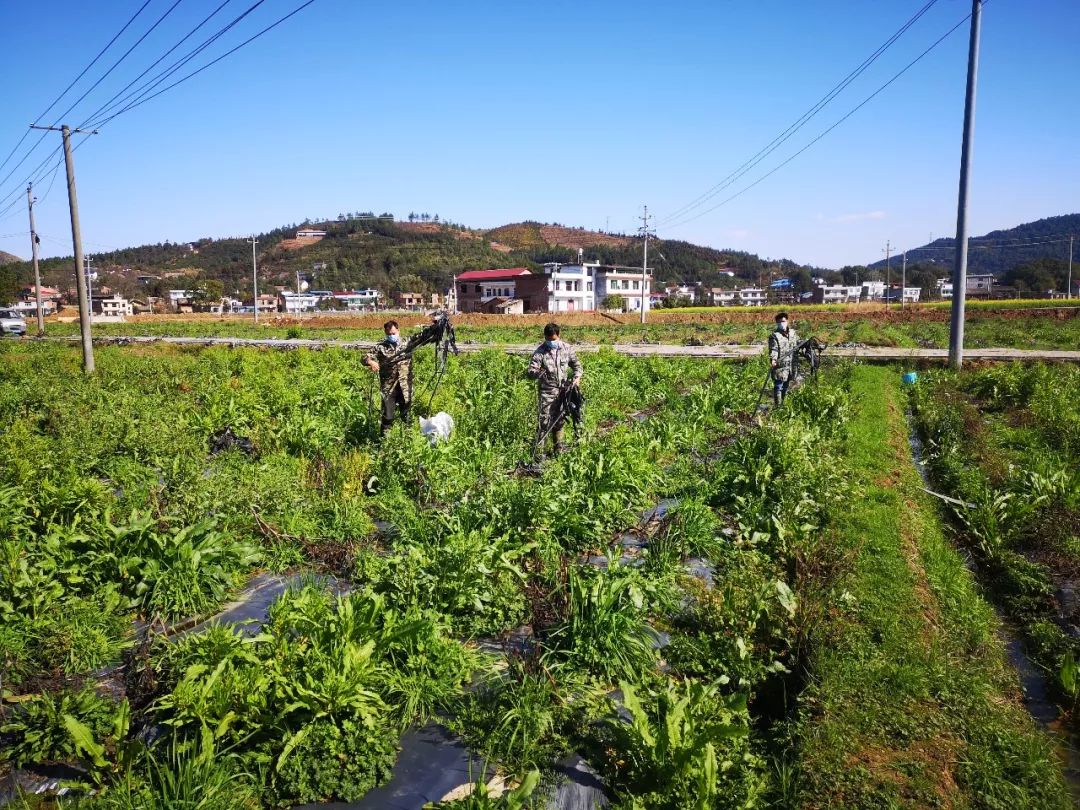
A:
211, 63
841, 120
117, 63
780, 139
74, 81
108, 105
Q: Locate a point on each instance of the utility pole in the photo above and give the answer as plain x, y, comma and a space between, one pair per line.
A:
644, 231
903, 281
76, 240
254, 278
33, 249
888, 275
89, 283
1068, 289
959, 298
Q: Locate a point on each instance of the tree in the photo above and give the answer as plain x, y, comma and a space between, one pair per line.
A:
614, 302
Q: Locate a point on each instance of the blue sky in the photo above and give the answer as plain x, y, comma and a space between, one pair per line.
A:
575, 112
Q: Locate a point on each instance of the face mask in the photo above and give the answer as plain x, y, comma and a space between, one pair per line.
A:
392, 338
782, 326
551, 343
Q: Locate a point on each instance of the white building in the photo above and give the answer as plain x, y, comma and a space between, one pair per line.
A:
359, 299
873, 290
111, 306
945, 288
176, 296
912, 295
753, 297
624, 282
570, 287
723, 297
309, 233
28, 309
294, 303
836, 294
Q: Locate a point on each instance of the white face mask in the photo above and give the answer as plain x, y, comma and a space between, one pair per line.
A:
782, 326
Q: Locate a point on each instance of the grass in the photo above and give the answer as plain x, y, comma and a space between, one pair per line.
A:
910, 701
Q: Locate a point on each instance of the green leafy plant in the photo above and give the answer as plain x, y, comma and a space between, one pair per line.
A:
682, 746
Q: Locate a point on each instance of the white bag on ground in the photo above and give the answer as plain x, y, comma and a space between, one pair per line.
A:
437, 428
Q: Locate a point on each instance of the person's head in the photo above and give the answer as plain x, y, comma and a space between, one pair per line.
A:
782, 321
551, 332
391, 329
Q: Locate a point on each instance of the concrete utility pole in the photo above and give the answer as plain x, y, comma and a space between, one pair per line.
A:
888, 275
90, 283
1068, 289
254, 278
903, 281
33, 250
76, 239
644, 231
959, 298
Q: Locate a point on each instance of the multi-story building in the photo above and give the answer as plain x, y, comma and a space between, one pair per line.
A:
358, 299
980, 284
293, 303
753, 297
873, 290
836, 294
723, 296
570, 287
110, 306
476, 287
409, 300
624, 282
945, 288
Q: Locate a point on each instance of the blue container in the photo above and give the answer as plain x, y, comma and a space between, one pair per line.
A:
910, 378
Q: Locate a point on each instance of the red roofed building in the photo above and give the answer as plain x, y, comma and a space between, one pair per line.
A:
475, 288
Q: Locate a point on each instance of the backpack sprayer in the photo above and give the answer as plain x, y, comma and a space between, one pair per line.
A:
439, 332
569, 404
809, 350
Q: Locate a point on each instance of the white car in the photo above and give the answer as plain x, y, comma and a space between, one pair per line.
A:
12, 323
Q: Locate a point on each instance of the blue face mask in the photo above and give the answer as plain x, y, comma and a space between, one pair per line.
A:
392, 338
781, 327
551, 343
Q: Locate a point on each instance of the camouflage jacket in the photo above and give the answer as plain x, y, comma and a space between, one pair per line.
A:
395, 367
782, 351
550, 367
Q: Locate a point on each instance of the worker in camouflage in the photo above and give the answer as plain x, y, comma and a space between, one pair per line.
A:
782, 345
392, 359
552, 364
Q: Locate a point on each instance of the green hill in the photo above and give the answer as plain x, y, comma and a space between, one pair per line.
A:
8, 258
999, 252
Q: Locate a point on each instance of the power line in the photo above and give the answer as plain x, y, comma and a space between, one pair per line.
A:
116, 64
109, 104
211, 63
844, 118
779, 140
74, 81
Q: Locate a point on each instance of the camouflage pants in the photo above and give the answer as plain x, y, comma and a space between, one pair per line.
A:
394, 402
545, 412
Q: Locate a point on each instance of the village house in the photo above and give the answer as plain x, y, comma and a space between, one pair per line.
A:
477, 287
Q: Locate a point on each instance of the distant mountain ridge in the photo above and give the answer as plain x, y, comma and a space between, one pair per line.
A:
999, 251
8, 258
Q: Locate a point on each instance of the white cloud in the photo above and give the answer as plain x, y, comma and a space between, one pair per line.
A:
846, 218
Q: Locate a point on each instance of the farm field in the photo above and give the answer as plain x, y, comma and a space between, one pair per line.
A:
1023, 325
710, 609
1005, 442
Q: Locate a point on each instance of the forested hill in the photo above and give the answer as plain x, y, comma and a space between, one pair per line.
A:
999, 252
364, 251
